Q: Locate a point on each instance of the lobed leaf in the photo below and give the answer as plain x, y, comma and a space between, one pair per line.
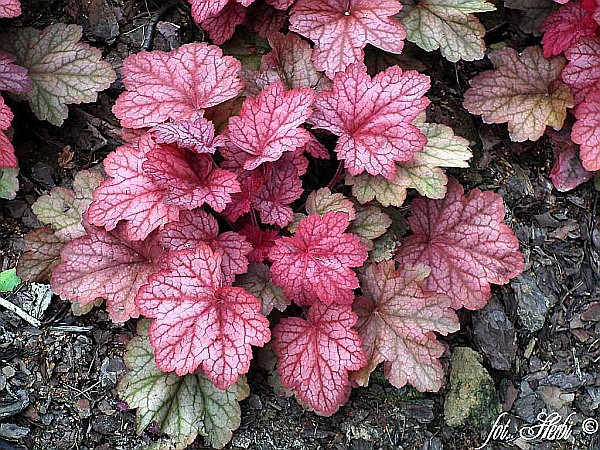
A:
175, 86
63, 208
270, 124
316, 263
396, 321
41, 255
258, 281
9, 184
323, 200
341, 29
10, 8
447, 25
524, 90
464, 242
182, 407
63, 70
316, 354
373, 118
582, 72
106, 264
198, 227
199, 321
13, 78
586, 131
563, 28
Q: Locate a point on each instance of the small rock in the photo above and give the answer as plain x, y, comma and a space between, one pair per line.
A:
13, 432
8, 371
21, 402
533, 304
2, 382
421, 411
42, 173
104, 424
110, 371
496, 336
83, 408
472, 398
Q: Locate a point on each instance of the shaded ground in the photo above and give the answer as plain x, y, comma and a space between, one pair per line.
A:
539, 337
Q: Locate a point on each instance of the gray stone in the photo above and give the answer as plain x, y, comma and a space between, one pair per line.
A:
472, 399
532, 303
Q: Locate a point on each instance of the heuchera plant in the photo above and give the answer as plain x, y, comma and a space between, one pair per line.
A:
204, 227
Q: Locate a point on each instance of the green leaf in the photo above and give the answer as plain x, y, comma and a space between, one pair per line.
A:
183, 407
424, 173
63, 208
9, 280
9, 184
63, 70
370, 223
323, 201
258, 282
447, 25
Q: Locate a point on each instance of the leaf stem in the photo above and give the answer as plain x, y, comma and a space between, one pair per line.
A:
338, 175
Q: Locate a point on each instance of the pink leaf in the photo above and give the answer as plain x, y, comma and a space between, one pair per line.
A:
261, 241
13, 78
178, 85
316, 354
586, 131
198, 135
7, 152
583, 71
315, 149
189, 179
464, 242
221, 26
341, 29
283, 186
280, 4
196, 227
107, 265
396, 321
265, 20
565, 26
268, 190
203, 9
199, 321
270, 124
373, 118
567, 172
316, 263
130, 194
10, 8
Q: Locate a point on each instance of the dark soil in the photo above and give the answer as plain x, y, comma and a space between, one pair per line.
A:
58, 382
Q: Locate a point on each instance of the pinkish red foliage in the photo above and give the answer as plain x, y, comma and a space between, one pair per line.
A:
203, 9
107, 265
316, 354
341, 29
7, 152
261, 241
586, 131
373, 117
198, 135
189, 179
396, 320
197, 227
316, 263
270, 124
280, 4
565, 26
583, 71
567, 172
464, 242
130, 194
199, 320
10, 8
204, 78
13, 78
221, 26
